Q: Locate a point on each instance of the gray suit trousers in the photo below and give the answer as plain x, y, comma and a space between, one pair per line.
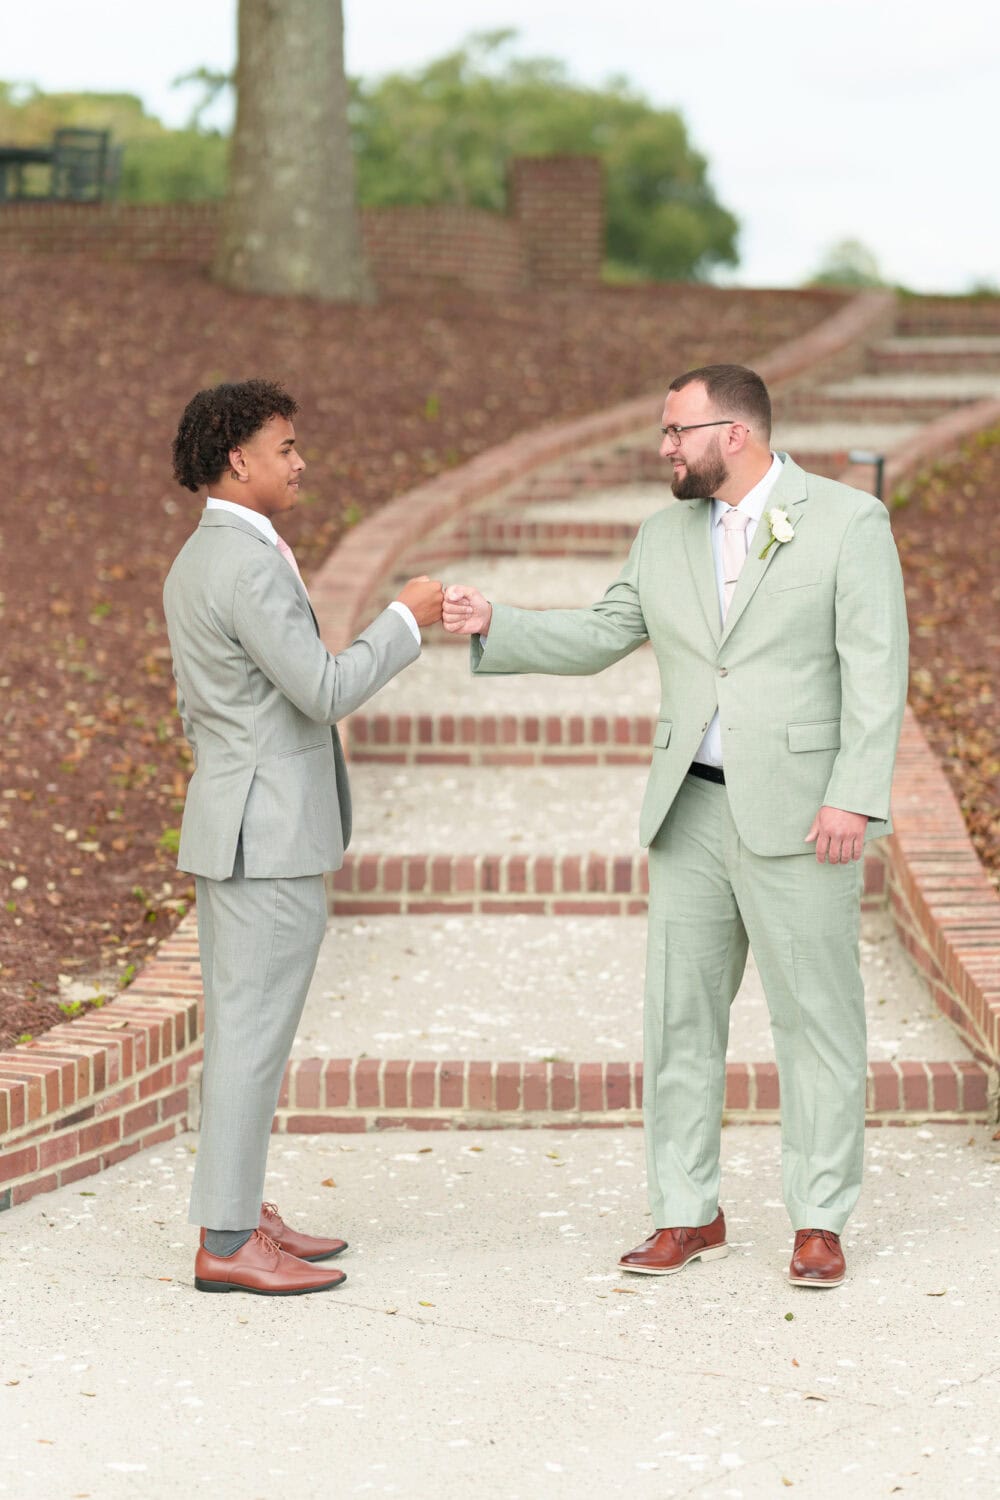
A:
259, 942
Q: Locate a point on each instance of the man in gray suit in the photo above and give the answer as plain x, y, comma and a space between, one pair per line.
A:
268, 809
774, 603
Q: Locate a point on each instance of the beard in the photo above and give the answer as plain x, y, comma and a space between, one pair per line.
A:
701, 480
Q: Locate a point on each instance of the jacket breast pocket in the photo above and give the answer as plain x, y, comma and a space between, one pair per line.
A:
661, 734
779, 582
820, 734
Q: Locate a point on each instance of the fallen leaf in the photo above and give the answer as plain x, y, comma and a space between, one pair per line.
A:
328, 1182
787, 1482
814, 1396
789, 1317
426, 1304
164, 1278
392, 1311
423, 1150
937, 1294
88, 1393
625, 1291
12, 1382
795, 1363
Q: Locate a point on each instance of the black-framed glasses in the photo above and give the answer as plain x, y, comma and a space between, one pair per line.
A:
675, 432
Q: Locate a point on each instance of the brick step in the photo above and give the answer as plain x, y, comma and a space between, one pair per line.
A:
956, 353
849, 405
501, 739
948, 317
554, 885
354, 1095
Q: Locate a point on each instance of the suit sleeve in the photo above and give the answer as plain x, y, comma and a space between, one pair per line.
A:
276, 630
567, 642
871, 642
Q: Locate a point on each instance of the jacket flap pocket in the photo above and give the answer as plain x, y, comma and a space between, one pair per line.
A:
821, 734
661, 734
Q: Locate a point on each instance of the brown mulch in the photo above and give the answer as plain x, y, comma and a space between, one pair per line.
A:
97, 361
948, 535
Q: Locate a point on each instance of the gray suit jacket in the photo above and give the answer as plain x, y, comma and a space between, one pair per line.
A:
259, 696
808, 673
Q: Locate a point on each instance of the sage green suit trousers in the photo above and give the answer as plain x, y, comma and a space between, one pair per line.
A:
709, 896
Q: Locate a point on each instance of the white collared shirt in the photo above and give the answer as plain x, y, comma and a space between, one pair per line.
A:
266, 529
709, 752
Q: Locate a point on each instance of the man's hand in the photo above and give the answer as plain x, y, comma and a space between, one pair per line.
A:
423, 597
839, 835
466, 612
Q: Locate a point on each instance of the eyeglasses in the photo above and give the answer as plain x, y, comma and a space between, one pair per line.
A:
674, 433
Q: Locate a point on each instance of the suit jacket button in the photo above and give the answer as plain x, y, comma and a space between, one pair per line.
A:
723, 671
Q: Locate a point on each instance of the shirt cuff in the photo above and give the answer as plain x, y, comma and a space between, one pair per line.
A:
407, 614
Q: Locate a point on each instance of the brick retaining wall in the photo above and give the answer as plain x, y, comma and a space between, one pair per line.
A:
552, 235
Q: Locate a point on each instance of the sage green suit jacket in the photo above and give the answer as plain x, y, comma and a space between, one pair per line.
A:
259, 696
809, 673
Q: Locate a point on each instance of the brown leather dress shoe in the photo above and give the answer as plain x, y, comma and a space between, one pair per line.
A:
260, 1266
669, 1250
817, 1259
302, 1246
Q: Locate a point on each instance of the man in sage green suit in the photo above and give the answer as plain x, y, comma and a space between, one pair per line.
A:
268, 808
773, 601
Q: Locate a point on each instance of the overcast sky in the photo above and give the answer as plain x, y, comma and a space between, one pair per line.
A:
874, 120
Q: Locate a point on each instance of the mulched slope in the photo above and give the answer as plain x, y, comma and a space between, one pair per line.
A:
948, 534
97, 362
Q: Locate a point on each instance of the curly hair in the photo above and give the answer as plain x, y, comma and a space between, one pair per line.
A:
220, 419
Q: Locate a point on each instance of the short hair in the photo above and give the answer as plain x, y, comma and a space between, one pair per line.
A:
222, 418
735, 389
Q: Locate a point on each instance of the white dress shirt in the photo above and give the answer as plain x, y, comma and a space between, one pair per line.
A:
709, 752
264, 526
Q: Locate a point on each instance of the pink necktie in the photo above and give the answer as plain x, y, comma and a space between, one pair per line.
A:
289, 557
734, 552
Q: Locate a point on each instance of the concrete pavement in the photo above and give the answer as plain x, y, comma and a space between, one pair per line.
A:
485, 1344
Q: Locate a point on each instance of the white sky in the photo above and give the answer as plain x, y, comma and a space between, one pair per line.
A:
874, 120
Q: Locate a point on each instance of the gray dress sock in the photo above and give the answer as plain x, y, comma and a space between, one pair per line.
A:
226, 1242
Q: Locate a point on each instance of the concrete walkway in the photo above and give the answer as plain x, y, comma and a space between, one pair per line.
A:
484, 1343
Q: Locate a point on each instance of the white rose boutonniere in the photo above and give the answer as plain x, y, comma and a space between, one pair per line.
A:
780, 527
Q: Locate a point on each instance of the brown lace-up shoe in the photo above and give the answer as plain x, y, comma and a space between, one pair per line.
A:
817, 1259
303, 1246
669, 1250
260, 1266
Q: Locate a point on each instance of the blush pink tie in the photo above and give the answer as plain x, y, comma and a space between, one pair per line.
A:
289, 557
734, 552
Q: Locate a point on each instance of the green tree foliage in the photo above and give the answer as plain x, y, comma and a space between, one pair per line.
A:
445, 134
158, 164
849, 263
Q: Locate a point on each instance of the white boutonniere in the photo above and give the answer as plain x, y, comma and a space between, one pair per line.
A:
780, 527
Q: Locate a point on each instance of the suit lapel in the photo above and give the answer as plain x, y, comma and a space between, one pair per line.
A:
698, 545
788, 494
227, 518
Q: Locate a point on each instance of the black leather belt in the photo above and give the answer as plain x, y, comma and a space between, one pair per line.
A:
707, 773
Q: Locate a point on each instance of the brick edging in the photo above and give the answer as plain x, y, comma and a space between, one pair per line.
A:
358, 1094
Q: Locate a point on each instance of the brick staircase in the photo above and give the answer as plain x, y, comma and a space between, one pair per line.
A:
483, 964
449, 770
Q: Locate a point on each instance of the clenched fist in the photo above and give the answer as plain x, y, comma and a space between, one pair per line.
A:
423, 597
466, 612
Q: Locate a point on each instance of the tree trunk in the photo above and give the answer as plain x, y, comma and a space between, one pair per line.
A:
289, 223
